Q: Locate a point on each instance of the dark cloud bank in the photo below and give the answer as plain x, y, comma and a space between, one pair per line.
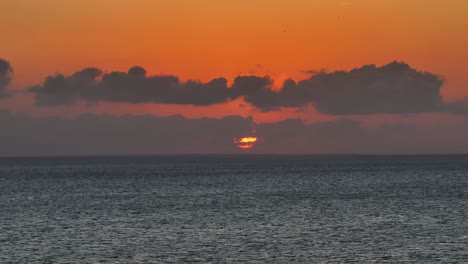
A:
22, 135
5, 77
395, 88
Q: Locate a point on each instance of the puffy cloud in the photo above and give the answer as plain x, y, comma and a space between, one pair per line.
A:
132, 87
255, 90
395, 88
392, 88
5, 76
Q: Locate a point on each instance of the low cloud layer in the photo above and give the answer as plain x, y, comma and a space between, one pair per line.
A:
108, 134
5, 77
392, 88
90, 134
457, 107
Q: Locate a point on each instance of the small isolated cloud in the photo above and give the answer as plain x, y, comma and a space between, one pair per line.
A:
346, 4
314, 72
5, 77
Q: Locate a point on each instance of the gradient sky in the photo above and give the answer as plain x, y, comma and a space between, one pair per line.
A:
205, 39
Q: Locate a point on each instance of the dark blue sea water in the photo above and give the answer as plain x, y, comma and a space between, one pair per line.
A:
234, 209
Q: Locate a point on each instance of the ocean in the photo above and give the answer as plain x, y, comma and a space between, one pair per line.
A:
234, 209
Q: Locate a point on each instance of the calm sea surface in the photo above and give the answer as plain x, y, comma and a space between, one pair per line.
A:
234, 209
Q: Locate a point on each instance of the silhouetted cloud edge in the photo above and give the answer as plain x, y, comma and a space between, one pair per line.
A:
5, 77
394, 88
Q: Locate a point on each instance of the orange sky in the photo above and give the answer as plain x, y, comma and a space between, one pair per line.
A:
205, 39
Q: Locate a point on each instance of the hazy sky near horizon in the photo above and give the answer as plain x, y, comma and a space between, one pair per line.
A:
377, 63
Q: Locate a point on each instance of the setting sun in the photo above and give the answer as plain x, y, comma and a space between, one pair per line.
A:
245, 142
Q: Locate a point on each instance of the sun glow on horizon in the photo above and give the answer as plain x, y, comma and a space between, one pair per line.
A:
245, 142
